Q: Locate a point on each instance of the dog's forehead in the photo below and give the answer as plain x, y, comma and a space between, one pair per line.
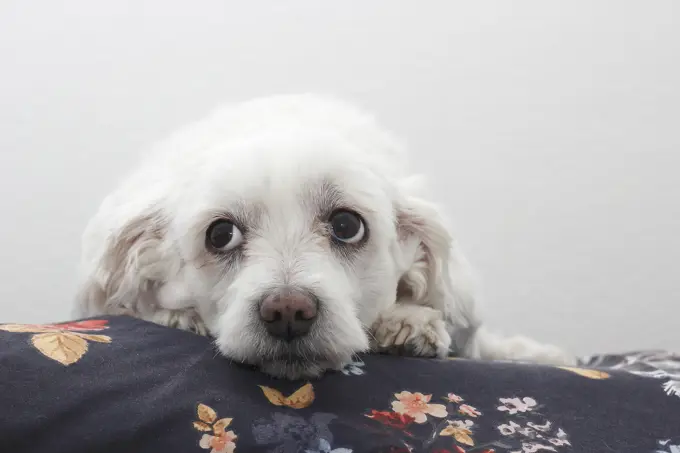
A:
304, 173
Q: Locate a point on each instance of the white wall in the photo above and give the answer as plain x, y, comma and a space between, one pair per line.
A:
550, 128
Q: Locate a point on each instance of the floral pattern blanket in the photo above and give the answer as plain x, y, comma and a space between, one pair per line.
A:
118, 384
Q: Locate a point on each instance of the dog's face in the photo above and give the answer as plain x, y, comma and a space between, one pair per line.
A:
288, 235
289, 255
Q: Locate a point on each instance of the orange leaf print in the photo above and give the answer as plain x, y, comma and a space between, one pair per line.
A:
464, 438
220, 425
92, 337
25, 328
66, 343
206, 414
64, 347
585, 372
202, 427
88, 324
459, 431
274, 396
300, 399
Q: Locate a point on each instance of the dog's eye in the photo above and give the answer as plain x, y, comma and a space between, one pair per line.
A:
223, 235
347, 227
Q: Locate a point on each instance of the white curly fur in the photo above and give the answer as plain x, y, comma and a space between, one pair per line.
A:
276, 164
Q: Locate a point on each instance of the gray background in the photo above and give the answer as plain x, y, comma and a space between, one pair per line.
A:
549, 129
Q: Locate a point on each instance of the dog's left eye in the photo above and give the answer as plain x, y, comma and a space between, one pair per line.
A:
347, 227
223, 235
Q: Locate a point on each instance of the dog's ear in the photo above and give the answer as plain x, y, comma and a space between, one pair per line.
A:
123, 276
436, 273
438, 276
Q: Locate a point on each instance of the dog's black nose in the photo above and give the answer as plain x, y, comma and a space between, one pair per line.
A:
288, 314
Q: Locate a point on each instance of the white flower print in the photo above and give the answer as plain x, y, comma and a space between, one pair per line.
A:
467, 424
536, 436
672, 387
542, 428
507, 430
533, 448
530, 431
325, 447
527, 432
666, 444
651, 364
515, 405
560, 439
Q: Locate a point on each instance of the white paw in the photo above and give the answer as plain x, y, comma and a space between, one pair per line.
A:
185, 319
523, 349
413, 330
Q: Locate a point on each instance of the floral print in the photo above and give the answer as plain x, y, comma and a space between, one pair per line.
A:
299, 399
220, 440
652, 364
391, 419
515, 405
665, 446
466, 409
223, 443
533, 448
325, 447
586, 372
65, 343
460, 430
401, 405
293, 433
415, 423
453, 398
523, 431
418, 406
410, 409
530, 436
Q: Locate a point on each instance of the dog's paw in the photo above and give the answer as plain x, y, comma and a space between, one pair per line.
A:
412, 330
185, 319
523, 349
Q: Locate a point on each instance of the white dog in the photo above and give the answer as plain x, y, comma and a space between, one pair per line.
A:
289, 229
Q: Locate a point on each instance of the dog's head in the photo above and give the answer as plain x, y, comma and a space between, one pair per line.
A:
288, 244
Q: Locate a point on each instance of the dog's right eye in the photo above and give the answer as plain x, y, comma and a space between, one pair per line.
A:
223, 235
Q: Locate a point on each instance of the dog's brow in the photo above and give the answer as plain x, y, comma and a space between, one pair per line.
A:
248, 213
244, 213
324, 197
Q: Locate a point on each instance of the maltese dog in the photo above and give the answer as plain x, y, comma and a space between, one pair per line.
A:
291, 230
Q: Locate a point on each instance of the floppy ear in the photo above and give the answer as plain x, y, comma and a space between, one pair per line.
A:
436, 273
121, 278
438, 276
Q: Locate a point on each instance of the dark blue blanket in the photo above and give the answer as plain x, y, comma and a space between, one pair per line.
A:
121, 385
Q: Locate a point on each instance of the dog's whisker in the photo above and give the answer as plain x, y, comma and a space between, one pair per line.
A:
369, 334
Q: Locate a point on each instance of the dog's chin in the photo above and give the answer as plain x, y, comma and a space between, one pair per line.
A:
297, 367
291, 361
295, 360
